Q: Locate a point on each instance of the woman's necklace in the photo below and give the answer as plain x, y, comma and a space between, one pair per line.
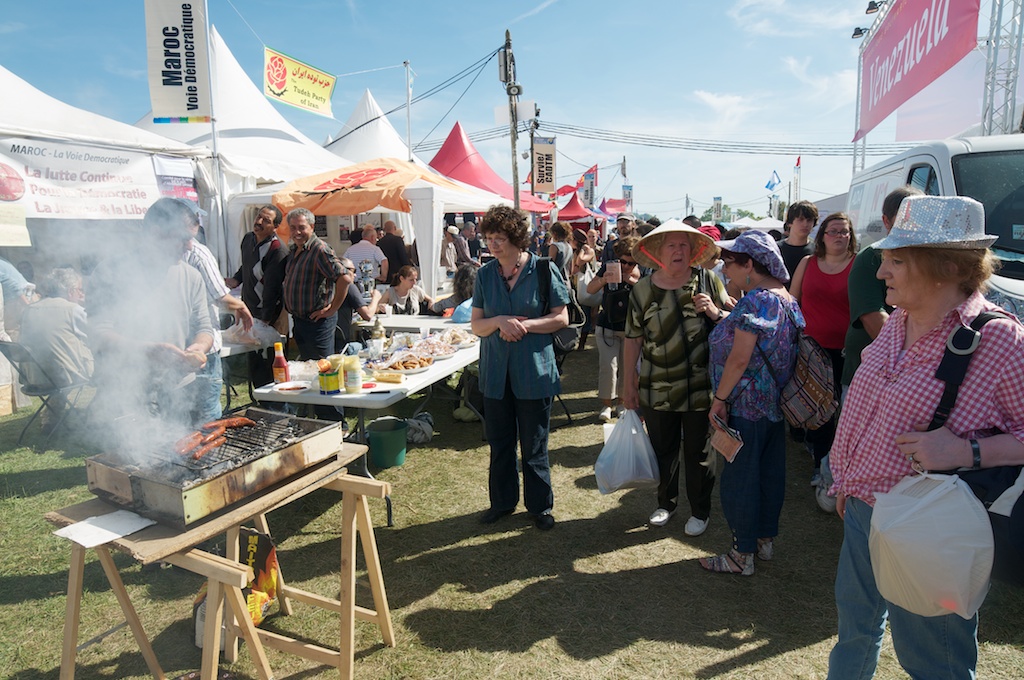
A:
515, 270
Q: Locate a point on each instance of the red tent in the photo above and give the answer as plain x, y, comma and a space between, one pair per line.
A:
460, 160
574, 210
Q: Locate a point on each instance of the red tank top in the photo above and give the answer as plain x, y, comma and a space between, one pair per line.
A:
825, 302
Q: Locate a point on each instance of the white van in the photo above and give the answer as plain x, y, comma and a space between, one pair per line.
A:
988, 169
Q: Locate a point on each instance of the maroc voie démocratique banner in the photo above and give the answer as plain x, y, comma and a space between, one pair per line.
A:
297, 84
61, 180
179, 61
916, 42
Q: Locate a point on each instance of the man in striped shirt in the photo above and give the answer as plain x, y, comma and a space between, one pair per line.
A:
313, 287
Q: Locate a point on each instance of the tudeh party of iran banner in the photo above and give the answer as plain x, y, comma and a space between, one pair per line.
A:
297, 84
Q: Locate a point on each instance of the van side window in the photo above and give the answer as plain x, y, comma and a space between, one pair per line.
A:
923, 177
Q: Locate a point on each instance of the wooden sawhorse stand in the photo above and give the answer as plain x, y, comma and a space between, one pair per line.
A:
226, 577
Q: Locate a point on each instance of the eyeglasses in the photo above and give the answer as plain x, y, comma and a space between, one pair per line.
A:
627, 263
496, 240
835, 233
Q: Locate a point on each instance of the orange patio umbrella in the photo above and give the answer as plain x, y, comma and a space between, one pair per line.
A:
357, 188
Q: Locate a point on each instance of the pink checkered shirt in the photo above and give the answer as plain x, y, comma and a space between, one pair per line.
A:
890, 395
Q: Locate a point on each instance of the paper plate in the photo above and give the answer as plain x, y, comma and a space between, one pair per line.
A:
292, 386
410, 371
442, 357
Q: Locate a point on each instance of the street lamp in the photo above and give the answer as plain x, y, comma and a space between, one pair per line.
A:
874, 6
859, 32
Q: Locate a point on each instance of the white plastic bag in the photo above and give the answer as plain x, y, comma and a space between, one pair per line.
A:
931, 546
582, 296
627, 459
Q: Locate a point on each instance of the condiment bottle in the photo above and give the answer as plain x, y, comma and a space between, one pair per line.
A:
377, 337
353, 375
280, 364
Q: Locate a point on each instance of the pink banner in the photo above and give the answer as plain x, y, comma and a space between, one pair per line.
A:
916, 42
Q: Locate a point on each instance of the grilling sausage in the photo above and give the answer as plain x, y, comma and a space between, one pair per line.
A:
206, 448
237, 421
214, 433
185, 445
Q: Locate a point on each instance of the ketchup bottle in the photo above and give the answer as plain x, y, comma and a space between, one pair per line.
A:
280, 364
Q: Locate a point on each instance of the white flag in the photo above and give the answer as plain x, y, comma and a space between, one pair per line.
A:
773, 181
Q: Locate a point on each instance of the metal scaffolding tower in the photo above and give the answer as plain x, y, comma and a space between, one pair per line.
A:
998, 114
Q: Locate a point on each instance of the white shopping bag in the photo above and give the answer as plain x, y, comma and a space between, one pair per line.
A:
627, 459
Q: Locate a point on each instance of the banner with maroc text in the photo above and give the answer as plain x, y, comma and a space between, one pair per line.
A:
916, 42
297, 84
179, 70
544, 165
62, 180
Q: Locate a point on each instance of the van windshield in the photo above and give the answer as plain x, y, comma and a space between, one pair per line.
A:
996, 179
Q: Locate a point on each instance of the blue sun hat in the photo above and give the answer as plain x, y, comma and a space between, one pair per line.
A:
762, 248
955, 222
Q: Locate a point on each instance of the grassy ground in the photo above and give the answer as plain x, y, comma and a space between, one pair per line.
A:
600, 596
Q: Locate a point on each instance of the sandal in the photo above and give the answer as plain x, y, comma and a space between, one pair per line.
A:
765, 549
733, 562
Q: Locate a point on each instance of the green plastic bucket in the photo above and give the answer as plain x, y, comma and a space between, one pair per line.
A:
387, 441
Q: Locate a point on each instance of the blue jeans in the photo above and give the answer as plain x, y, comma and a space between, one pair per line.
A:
753, 485
527, 420
927, 647
315, 339
207, 388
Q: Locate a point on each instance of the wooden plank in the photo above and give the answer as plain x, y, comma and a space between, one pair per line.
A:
328, 657
306, 597
213, 567
241, 614
72, 610
347, 579
211, 630
130, 615
361, 486
381, 609
231, 550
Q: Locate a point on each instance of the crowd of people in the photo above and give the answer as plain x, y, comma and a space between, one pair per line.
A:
696, 330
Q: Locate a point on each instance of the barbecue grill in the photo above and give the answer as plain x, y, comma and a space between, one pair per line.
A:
156, 482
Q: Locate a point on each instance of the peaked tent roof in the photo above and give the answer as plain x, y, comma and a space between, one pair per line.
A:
574, 210
253, 139
369, 134
32, 114
459, 159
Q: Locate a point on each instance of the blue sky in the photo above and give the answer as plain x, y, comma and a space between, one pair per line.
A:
735, 70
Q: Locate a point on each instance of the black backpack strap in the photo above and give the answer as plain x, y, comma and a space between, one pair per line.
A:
960, 346
544, 284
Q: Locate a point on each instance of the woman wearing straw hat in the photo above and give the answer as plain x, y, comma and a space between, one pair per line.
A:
667, 325
760, 333
935, 264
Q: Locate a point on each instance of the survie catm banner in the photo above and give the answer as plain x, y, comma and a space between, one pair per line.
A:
916, 42
544, 164
297, 84
179, 71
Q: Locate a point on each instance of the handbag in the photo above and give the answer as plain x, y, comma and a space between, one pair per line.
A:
808, 399
1000, 488
582, 296
565, 339
627, 460
931, 546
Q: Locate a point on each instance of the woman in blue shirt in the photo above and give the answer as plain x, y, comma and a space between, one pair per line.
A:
518, 375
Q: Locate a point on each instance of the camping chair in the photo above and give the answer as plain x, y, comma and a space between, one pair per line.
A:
21, 358
560, 356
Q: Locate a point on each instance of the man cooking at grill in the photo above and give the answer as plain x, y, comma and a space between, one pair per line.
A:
149, 323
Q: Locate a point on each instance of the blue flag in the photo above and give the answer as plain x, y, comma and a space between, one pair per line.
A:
773, 181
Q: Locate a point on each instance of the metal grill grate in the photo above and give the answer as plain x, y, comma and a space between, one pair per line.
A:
248, 443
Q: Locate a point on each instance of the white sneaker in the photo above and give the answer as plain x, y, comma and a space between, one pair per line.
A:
619, 410
605, 414
660, 517
696, 527
825, 502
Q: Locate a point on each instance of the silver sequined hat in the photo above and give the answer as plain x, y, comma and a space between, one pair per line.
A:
938, 222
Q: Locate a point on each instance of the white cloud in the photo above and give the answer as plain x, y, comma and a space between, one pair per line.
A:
536, 10
118, 67
794, 18
730, 110
828, 91
11, 27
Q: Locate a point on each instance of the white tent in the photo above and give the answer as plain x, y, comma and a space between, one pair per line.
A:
368, 134
255, 144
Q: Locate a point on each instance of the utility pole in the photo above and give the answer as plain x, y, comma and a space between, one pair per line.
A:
534, 124
507, 75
